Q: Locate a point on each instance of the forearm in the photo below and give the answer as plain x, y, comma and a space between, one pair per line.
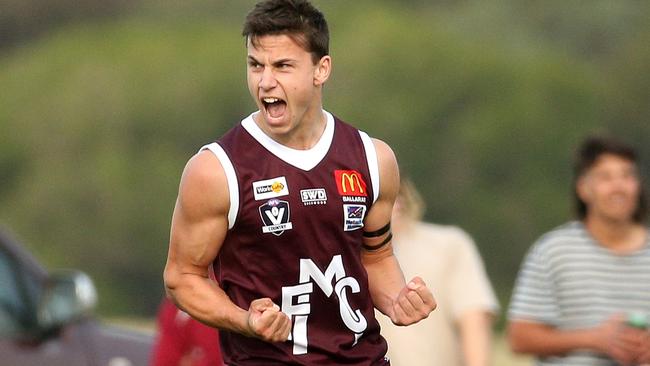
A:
476, 335
542, 340
205, 301
385, 278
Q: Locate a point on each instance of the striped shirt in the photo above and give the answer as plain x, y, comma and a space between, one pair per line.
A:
569, 281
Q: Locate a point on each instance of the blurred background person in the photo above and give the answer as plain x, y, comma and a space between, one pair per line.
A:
581, 282
459, 332
183, 341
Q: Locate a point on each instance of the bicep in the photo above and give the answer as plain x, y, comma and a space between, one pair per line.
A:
377, 234
195, 243
381, 211
200, 219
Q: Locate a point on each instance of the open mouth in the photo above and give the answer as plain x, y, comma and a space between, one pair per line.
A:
275, 107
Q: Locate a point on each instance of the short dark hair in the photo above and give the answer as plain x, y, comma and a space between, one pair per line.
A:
297, 19
588, 153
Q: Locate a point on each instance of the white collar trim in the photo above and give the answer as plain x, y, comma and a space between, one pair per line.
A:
302, 159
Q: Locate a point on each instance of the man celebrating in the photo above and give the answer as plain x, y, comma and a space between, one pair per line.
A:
583, 292
291, 211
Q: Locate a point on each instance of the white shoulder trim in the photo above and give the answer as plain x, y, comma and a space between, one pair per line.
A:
302, 159
231, 177
373, 163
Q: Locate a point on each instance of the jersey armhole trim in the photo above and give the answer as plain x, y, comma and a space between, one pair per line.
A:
373, 164
231, 177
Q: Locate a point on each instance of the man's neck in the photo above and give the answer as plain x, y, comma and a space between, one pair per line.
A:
304, 135
618, 236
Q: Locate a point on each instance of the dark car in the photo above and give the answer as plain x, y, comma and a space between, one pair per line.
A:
46, 319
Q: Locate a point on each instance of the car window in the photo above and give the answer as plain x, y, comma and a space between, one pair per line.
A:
16, 306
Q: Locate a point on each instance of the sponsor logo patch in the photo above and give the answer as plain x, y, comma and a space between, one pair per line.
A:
314, 196
350, 183
275, 217
270, 188
353, 217
354, 199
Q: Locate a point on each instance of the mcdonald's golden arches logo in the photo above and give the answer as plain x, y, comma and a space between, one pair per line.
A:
350, 183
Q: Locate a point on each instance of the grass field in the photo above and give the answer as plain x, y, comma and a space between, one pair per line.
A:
501, 354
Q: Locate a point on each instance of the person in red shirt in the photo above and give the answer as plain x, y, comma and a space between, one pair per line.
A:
184, 341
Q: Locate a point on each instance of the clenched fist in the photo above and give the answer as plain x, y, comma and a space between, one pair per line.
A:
413, 303
267, 322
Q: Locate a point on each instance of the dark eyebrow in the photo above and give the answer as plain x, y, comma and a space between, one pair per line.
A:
275, 63
284, 61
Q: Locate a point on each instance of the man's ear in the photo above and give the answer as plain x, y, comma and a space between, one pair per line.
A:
323, 70
582, 190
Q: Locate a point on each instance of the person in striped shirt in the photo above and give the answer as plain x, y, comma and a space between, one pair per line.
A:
582, 296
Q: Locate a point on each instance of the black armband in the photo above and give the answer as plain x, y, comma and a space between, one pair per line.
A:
380, 232
373, 248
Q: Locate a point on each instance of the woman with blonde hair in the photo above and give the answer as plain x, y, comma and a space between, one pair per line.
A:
459, 332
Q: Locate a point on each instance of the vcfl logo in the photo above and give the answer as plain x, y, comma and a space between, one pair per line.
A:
299, 312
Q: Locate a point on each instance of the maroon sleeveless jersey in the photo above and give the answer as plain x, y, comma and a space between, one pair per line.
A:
295, 235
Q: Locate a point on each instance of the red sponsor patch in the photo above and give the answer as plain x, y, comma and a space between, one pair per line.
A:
350, 183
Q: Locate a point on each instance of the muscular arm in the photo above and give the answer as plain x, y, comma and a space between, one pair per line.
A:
199, 226
384, 273
475, 336
403, 303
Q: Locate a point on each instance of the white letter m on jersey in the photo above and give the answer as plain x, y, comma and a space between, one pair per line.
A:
300, 310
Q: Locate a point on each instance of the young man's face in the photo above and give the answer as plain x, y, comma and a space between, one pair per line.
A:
284, 82
610, 188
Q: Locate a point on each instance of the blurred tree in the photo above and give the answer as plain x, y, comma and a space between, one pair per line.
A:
483, 102
21, 20
105, 118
